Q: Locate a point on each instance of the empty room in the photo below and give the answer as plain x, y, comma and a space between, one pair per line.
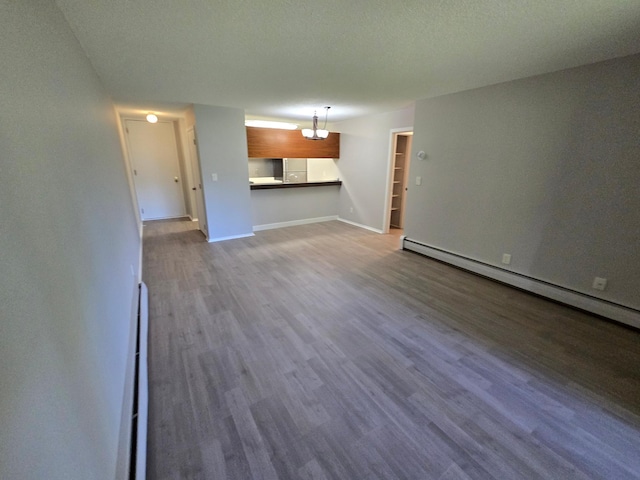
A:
320, 240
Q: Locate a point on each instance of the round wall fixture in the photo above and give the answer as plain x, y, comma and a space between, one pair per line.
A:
422, 155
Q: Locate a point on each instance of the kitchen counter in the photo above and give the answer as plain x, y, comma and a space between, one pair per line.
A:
280, 184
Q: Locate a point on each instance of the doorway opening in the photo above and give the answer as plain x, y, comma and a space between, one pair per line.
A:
198, 212
399, 163
153, 154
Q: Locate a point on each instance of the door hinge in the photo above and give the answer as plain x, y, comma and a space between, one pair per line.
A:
194, 141
135, 172
142, 210
127, 129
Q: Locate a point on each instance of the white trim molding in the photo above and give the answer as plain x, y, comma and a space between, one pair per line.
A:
232, 237
293, 223
359, 225
605, 308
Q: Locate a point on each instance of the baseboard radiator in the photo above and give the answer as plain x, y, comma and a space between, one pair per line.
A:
138, 454
604, 308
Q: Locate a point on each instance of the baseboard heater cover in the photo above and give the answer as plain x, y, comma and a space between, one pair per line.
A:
604, 308
138, 457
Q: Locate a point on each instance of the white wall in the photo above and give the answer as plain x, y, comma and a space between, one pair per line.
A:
545, 168
222, 148
280, 205
364, 165
68, 241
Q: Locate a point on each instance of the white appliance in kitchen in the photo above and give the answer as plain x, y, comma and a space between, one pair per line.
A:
294, 170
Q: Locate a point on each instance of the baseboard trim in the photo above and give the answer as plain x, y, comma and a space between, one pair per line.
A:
604, 308
231, 237
293, 223
360, 225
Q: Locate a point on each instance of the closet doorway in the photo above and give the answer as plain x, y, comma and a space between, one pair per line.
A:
398, 179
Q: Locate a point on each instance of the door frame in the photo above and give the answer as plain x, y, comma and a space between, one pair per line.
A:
196, 178
178, 141
179, 122
389, 185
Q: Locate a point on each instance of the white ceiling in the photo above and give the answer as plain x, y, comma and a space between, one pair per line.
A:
285, 58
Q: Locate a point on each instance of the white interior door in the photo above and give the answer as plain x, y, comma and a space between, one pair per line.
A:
156, 173
197, 181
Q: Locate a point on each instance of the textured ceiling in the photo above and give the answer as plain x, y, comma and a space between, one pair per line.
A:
285, 58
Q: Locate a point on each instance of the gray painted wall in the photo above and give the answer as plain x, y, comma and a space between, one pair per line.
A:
68, 241
364, 165
290, 204
222, 147
545, 168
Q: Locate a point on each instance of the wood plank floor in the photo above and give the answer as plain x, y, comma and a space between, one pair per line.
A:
324, 352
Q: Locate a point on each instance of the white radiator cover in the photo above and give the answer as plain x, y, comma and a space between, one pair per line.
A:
143, 386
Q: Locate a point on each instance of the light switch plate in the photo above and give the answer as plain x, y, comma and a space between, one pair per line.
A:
214, 177
418, 180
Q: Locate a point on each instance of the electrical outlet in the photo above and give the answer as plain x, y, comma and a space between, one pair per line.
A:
214, 177
350, 209
506, 258
599, 283
418, 180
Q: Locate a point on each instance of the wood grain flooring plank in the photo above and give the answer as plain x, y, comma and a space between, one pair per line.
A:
454, 472
213, 462
329, 455
342, 397
285, 460
252, 442
312, 471
236, 464
405, 458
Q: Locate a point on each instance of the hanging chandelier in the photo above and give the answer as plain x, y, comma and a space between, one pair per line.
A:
316, 133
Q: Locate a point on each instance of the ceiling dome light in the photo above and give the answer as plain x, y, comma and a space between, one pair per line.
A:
152, 118
315, 133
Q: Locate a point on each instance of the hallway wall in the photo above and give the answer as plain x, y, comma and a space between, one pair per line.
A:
69, 255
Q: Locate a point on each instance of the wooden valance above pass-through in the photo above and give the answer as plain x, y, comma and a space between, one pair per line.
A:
276, 143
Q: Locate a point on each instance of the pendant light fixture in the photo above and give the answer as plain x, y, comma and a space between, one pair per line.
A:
317, 133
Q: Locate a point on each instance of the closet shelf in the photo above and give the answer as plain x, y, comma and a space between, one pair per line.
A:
400, 158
